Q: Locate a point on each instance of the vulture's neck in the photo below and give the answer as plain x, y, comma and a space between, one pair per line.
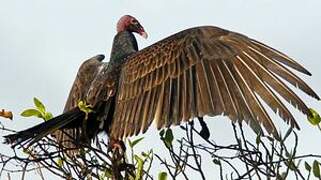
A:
124, 45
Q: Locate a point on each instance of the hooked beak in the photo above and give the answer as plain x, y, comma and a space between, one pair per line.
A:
143, 34
139, 29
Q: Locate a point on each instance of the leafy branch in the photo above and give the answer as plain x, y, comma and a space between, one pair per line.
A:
262, 158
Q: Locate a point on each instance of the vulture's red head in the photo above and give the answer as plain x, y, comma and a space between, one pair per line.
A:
129, 23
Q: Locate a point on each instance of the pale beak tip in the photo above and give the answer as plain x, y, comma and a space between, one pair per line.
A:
144, 35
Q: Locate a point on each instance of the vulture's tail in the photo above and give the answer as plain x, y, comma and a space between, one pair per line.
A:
29, 136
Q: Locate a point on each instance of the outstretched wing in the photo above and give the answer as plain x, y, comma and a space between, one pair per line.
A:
205, 71
86, 74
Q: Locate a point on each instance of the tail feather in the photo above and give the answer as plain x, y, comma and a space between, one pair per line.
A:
69, 119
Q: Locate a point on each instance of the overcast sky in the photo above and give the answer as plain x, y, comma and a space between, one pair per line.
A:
43, 42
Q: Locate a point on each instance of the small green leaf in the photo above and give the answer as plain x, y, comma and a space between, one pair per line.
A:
31, 112
39, 105
26, 151
161, 133
132, 144
101, 177
316, 169
144, 154
60, 162
108, 173
83, 106
216, 161
291, 165
162, 176
48, 116
140, 168
314, 118
307, 166
169, 137
258, 139
281, 176
82, 152
148, 154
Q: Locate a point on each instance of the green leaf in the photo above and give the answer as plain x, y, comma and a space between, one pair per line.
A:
216, 161
281, 176
31, 112
48, 116
145, 154
314, 118
258, 139
101, 177
108, 173
140, 168
82, 152
169, 137
26, 151
307, 166
83, 106
132, 144
316, 169
291, 165
148, 154
162, 176
39, 105
60, 162
161, 133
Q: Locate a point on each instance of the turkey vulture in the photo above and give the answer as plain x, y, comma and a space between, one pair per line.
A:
196, 72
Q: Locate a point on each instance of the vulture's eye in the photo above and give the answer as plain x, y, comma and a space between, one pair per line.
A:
134, 21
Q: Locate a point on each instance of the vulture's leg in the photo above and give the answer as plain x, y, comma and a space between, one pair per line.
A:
204, 133
118, 160
117, 146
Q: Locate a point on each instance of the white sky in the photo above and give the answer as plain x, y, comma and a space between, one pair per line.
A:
43, 42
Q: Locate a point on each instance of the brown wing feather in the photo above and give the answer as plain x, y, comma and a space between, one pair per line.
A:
205, 71
86, 73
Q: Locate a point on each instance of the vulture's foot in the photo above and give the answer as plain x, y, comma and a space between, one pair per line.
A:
117, 146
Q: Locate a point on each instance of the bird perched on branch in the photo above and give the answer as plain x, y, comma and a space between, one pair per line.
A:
196, 72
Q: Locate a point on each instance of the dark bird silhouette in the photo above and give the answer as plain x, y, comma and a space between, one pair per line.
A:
196, 72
